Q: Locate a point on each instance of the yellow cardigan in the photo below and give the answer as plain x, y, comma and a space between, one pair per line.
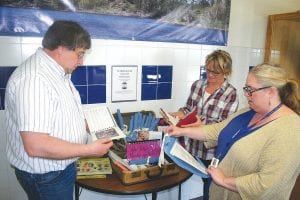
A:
265, 163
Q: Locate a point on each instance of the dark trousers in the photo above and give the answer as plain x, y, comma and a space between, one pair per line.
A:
206, 181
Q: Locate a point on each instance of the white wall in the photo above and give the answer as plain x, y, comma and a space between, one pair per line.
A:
247, 31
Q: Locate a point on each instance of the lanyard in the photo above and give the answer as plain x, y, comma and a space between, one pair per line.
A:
250, 128
241, 132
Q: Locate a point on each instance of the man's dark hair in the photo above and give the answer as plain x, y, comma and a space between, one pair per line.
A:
68, 34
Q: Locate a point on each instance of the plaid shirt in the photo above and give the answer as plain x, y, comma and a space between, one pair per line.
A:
217, 107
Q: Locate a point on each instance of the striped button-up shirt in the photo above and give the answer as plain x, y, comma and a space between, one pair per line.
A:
41, 98
217, 107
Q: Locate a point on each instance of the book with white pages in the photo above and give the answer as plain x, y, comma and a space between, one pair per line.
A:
101, 123
182, 157
175, 121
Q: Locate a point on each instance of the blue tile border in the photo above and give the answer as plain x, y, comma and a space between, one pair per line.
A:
149, 91
5, 72
90, 82
164, 91
2, 96
165, 74
149, 74
79, 76
82, 89
96, 74
96, 94
156, 82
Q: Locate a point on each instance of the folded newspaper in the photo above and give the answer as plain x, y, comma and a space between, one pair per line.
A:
182, 157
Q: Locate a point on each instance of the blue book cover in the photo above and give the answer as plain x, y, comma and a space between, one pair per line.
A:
183, 158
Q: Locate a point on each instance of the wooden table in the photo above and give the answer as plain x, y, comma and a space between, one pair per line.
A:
112, 185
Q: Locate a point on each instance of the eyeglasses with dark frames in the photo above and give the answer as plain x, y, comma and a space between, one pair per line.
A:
249, 90
212, 72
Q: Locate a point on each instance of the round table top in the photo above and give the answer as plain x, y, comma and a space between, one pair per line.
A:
112, 184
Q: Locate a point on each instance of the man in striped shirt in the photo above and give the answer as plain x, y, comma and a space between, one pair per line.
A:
45, 124
215, 98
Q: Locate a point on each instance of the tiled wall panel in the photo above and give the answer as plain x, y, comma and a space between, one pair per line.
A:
156, 82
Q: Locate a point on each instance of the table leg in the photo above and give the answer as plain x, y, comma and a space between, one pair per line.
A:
154, 195
76, 192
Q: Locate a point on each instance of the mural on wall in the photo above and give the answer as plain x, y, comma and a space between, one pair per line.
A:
182, 21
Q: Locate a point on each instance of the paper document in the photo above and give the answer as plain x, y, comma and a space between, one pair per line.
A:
117, 158
175, 121
178, 151
183, 158
102, 123
169, 118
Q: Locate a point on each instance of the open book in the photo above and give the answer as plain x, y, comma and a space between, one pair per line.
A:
183, 158
102, 123
188, 119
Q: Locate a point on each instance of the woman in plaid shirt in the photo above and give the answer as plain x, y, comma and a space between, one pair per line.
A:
215, 98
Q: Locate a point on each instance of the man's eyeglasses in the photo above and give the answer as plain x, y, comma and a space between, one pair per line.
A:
80, 54
249, 90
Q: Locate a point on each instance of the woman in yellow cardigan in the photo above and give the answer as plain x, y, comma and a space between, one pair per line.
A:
258, 148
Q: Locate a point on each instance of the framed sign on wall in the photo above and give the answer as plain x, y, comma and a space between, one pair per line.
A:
124, 83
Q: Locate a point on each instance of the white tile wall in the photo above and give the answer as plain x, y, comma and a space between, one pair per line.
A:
10, 54
99, 55
185, 59
132, 55
9, 187
28, 49
115, 54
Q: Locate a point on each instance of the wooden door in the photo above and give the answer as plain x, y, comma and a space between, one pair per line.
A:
283, 42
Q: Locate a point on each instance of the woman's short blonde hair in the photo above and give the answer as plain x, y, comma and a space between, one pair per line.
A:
222, 61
